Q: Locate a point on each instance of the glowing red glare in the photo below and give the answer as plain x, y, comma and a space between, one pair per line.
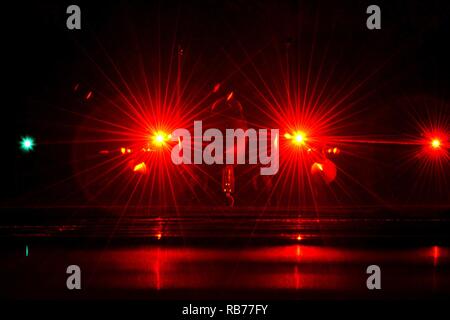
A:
436, 143
299, 238
123, 150
326, 170
160, 138
140, 168
298, 137
435, 255
230, 96
159, 236
333, 150
216, 88
89, 95
317, 166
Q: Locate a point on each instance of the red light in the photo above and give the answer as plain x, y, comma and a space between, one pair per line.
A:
298, 137
326, 170
316, 167
334, 150
160, 138
140, 168
89, 95
125, 150
436, 143
216, 88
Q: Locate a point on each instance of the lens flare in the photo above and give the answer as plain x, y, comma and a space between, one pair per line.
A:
436, 143
326, 170
160, 138
140, 168
298, 137
27, 144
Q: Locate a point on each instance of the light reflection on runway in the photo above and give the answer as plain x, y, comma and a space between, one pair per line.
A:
423, 225
294, 271
225, 254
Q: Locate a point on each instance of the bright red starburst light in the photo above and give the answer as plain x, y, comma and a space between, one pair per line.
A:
435, 144
160, 138
298, 137
428, 157
146, 102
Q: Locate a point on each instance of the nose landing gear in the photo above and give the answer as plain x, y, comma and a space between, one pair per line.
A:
228, 184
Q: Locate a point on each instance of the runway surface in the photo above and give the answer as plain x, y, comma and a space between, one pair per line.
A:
225, 254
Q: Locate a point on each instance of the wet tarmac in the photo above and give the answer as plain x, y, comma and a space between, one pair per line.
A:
225, 255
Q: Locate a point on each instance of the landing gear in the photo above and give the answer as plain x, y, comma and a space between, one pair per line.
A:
228, 184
